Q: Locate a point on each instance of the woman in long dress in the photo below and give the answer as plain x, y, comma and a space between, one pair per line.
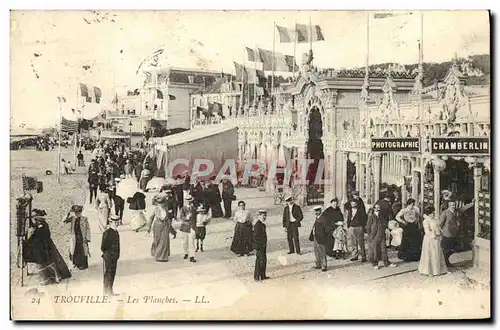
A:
137, 206
411, 244
103, 205
243, 231
79, 238
41, 250
432, 261
160, 222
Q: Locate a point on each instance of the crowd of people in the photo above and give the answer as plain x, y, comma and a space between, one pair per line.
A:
188, 204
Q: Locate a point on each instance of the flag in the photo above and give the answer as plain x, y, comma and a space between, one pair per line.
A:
84, 91
253, 56
304, 33
281, 62
61, 99
69, 126
97, 93
250, 76
159, 94
115, 100
286, 35
171, 97
90, 93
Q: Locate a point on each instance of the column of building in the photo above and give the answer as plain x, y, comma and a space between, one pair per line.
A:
377, 158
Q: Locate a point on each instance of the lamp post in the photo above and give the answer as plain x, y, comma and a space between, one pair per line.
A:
130, 134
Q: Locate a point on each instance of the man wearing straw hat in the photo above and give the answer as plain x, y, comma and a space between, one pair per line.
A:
110, 248
292, 216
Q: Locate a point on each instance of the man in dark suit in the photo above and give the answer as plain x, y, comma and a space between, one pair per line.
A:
292, 216
385, 206
110, 248
332, 215
319, 235
356, 221
260, 244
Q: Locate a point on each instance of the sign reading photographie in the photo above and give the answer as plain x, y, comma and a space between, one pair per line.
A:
460, 145
395, 144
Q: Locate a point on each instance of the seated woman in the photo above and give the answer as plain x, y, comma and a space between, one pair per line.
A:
41, 250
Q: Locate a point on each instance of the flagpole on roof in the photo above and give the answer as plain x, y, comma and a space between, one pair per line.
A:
367, 70
310, 34
274, 60
294, 47
255, 81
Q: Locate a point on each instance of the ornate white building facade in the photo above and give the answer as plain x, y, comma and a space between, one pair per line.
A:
351, 115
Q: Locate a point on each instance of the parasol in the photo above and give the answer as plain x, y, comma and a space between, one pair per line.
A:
156, 183
126, 188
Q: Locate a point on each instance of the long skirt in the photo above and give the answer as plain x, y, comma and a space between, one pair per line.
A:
57, 269
103, 218
432, 260
216, 210
160, 249
411, 244
243, 238
51, 265
143, 183
138, 220
80, 259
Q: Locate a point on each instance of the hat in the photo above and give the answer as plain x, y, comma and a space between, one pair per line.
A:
201, 208
262, 212
114, 218
288, 199
212, 178
317, 208
38, 212
339, 223
355, 192
118, 179
160, 198
76, 208
189, 198
334, 200
167, 191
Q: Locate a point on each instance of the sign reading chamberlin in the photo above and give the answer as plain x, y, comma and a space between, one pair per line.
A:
460, 145
395, 144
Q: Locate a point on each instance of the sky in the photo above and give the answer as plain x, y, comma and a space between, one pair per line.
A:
114, 43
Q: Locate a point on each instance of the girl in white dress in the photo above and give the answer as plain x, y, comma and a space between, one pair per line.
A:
432, 260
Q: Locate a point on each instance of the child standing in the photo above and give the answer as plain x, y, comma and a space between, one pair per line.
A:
202, 219
340, 244
396, 233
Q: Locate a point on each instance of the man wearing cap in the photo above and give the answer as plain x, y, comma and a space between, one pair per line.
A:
188, 228
260, 244
292, 216
110, 247
319, 235
385, 206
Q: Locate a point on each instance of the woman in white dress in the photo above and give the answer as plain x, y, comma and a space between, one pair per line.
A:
103, 205
432, 260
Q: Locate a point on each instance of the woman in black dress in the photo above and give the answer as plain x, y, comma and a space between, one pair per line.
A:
41, 250
79, 238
